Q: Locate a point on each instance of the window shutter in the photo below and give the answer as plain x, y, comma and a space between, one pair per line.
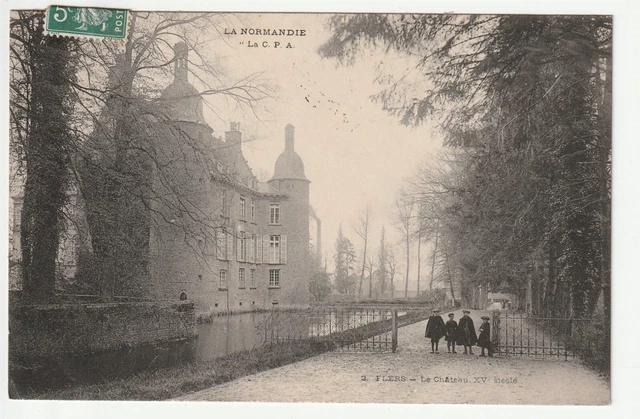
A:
229, 246
259, 249
283, 249
252, 248
239, 249
265, 249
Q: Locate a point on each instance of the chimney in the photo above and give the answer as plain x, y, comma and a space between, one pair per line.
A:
288, 137
233, 137
181, 61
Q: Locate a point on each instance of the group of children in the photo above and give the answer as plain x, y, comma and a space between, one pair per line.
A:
461, 334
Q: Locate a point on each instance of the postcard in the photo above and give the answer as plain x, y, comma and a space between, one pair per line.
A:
343, 208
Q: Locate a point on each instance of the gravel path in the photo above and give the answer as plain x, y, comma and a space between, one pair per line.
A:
414, 375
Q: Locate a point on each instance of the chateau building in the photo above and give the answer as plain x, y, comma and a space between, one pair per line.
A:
254, 252
217, 235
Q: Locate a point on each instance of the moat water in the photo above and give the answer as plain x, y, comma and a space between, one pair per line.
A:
229, 334
238, 332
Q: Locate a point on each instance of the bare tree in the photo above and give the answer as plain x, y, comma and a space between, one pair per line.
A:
419, 240
362, 230
391, 267
370, 267
404, 217
131, 181
383, 256
433, 260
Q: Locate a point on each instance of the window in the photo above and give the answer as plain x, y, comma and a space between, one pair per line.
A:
242, 247
252, 278
253, 211
223, 278
274, 249
252, 249
243, 214
229, 246
241, 278
274, 214
221, 248
259, 248
274, 277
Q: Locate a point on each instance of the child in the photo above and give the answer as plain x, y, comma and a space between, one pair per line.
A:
484, 340
466, 332
451, 334
435, 330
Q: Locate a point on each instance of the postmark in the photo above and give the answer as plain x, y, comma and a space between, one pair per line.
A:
87, 22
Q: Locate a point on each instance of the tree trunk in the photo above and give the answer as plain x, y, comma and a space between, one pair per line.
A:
406, 281
433, 262
48, 158
453, 297
549, 296
364, 258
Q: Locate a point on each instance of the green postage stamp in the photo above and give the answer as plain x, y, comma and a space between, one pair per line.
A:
87, 22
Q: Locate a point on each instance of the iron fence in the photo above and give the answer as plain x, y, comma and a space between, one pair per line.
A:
520, 334
346, 328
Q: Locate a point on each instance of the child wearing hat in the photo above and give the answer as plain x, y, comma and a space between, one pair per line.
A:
451, 334
435, 330
484, 340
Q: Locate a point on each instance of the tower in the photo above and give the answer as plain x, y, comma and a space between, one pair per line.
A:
182, 234
289, 179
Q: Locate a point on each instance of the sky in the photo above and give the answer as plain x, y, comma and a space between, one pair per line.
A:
355, 154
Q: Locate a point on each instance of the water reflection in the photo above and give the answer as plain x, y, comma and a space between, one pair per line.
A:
228, 334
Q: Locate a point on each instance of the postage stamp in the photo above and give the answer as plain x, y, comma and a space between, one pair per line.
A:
87, 22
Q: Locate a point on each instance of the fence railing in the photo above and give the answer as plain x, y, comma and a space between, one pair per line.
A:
524, 335
347, 328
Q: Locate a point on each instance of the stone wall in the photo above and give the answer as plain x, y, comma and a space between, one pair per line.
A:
62, 344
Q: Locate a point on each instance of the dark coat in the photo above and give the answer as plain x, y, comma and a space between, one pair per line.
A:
451, 331
466, 332
435, 328
484, 340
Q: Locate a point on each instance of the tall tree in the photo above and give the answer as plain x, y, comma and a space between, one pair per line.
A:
391, 267
361, 228
42, 72
527, 100
383, 257
130, 181
419, 236
370, 267
344, 259
403, 221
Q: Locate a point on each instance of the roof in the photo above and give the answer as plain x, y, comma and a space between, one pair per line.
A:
265, 188
289, 165
183, 102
